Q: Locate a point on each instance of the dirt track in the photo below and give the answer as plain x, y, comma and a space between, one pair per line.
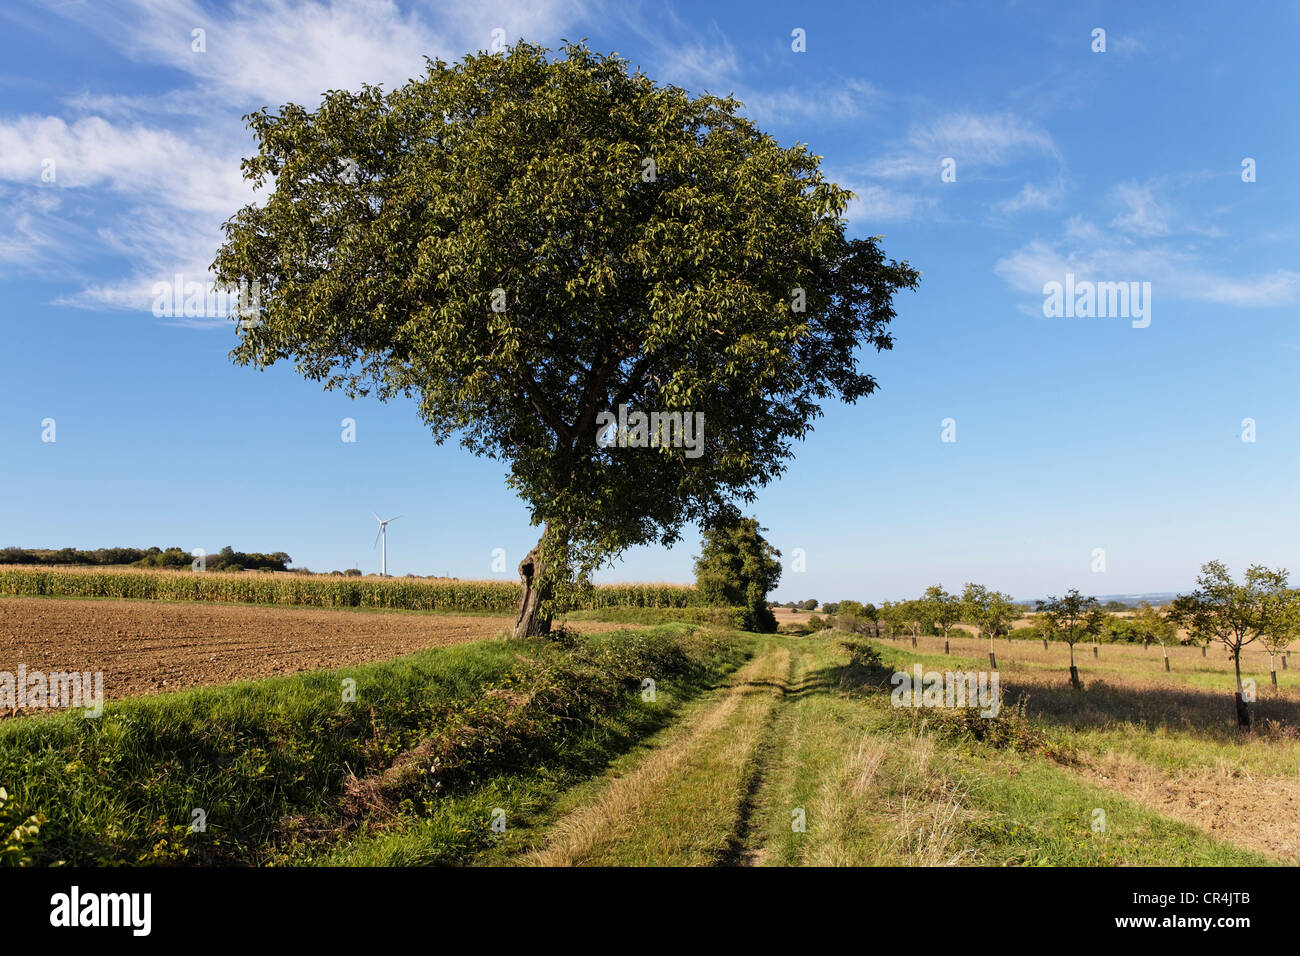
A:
145, 648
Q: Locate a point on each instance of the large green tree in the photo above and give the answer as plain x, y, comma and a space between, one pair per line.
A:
523, 241
737, 566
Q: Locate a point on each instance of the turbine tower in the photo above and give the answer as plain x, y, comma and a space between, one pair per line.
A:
383, 535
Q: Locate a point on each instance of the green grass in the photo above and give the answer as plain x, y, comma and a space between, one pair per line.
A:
555, 736
872, 784
270, 762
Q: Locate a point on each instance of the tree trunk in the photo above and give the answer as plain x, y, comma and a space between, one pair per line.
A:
993, 660
1166, 650
1074, 678
1204, 647
945, 643
1243, 710
1045, 644
1096, 651
1284, 656
535, 588
1243, 713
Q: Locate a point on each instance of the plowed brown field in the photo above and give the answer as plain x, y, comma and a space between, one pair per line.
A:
144, 647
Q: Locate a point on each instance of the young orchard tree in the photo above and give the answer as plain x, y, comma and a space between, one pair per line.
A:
1155, 626
738, 567
913, 616
890, 616
856, 618
521, 242
1235, 615
1067, 617
1181, 612
943, 609
1283, 625
990, 611
1095, 621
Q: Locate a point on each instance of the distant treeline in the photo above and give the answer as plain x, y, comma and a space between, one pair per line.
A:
227, 559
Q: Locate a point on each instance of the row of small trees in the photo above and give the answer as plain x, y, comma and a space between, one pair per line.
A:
1262, 607
990, 612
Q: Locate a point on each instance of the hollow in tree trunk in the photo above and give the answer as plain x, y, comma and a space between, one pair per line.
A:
530, 621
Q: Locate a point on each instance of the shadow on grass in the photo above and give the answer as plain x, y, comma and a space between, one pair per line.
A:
1152, 706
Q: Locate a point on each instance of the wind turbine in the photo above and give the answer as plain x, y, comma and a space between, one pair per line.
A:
383, 533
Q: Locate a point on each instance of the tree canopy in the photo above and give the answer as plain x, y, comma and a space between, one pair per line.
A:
521, 242
738, 567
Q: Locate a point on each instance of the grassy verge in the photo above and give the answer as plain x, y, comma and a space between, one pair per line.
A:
287, 770
1008, 791
686, 802
727, 618
802, 760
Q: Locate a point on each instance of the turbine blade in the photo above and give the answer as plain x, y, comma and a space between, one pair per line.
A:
377, 534
393, 519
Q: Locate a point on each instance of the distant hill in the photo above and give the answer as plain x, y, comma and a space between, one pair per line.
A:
1154, 598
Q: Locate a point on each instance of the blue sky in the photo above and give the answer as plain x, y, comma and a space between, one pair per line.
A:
1072, 434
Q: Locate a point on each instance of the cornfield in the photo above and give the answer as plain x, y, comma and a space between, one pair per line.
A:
320, 590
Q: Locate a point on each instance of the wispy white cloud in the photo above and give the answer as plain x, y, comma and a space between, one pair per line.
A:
126, 158
26, 239
848, 100
1032, 196
1126, 45
170, 160
276, 51
1143, 215
876, 203
972, 139
1095, 254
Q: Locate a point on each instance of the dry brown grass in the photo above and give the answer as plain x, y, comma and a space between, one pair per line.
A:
1262, 813
1166, 740
930, 808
